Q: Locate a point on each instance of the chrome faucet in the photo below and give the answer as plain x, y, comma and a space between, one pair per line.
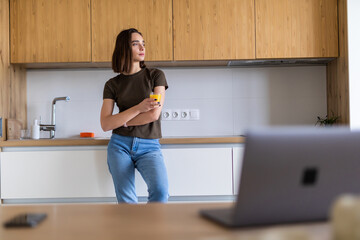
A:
51, 127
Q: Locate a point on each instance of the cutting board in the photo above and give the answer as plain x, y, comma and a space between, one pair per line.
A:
13, 129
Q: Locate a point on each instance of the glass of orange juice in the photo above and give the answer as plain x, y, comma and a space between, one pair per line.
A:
156, 96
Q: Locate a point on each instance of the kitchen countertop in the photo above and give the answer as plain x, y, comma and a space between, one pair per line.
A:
153, 221
105, 141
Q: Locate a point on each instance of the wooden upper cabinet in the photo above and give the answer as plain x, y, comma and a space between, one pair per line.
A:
296, 28
213, 29
50, 31
151, 17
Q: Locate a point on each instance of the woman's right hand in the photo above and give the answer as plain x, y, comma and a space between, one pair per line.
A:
147, 104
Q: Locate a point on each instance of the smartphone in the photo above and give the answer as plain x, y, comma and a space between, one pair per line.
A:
25, 220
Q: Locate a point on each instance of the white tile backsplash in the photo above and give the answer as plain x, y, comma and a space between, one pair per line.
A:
215, 118
230, 100
199, 83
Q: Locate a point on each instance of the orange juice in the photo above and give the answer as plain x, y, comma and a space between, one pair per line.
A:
156, 96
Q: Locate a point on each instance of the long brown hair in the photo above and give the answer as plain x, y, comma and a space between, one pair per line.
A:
122, 55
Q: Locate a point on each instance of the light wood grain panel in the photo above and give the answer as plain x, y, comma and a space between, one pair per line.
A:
50, 31
214, 30
94, 142
155, 221
296, 28
158, 64
12, 78
4, 59
338, 73
153, 18
202, 140
18, 101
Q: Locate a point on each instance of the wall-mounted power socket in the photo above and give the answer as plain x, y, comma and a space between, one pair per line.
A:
166, 115
180, 114
176, 114
185, 114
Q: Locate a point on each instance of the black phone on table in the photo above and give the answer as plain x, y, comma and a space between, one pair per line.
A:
25, 220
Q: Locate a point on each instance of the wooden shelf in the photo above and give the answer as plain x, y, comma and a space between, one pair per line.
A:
97, 142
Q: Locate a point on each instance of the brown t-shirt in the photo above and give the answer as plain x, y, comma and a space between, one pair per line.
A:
128, 91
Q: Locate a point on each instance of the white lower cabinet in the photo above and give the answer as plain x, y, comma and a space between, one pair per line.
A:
199, 171
238, 153
85, 174
55, 174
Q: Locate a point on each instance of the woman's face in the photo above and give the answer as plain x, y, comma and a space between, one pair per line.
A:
138, 47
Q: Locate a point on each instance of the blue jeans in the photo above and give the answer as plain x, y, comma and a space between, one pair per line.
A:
124, 154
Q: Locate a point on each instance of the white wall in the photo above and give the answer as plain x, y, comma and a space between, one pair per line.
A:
230, 99
354, 62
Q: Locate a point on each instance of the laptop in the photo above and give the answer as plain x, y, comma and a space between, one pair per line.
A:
292, 175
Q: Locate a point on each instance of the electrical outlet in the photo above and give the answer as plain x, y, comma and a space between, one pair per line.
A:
180, 114
194, 114
185, 114
176, 114
166, 115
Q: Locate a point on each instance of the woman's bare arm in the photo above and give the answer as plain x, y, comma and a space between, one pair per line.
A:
152, 115
109, 121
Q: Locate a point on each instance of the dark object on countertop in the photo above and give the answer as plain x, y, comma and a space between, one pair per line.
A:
25, 220
3, 128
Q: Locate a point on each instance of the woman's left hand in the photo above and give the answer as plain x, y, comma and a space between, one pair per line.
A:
147, 104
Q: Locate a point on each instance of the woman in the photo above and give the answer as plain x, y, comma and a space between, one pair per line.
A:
136, 128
